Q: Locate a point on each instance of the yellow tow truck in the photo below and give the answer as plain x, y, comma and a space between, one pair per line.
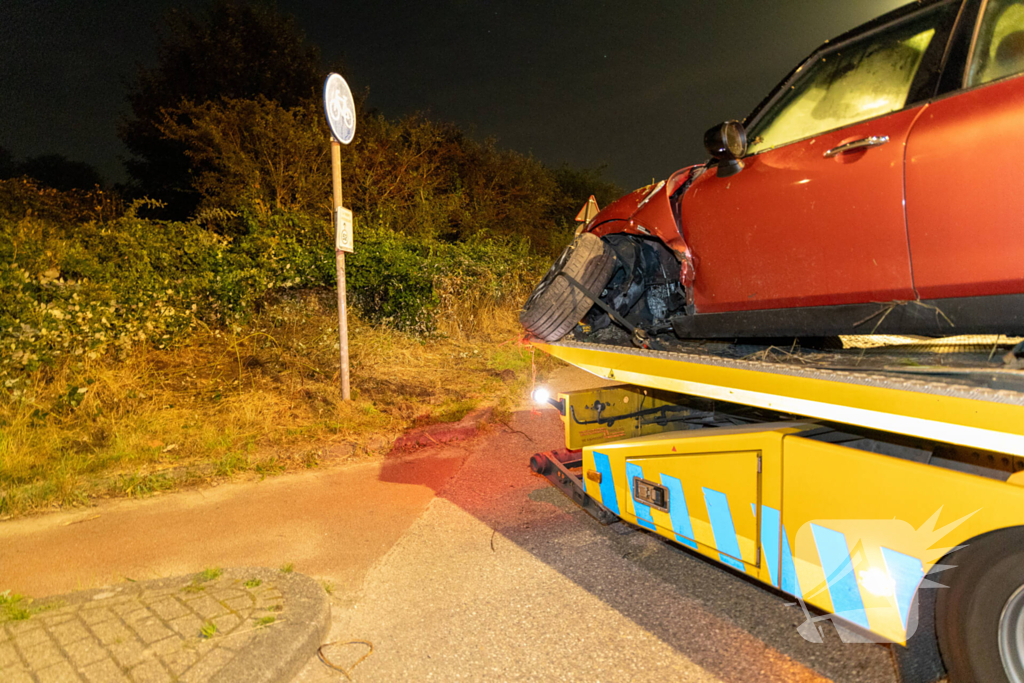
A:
880, 484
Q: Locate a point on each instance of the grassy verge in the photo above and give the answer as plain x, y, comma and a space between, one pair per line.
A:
252, 400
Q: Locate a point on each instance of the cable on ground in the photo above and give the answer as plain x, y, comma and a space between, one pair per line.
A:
346, 672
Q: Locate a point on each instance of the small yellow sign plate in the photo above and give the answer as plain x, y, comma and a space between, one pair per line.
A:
343, 229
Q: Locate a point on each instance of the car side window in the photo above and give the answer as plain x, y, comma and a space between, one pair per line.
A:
854, 82
999, 45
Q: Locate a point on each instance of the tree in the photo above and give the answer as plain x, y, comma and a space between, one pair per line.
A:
577, 184
234, 50
255, 154
8, 169
423, 178
60, 173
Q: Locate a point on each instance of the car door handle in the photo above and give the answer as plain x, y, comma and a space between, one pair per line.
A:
864, 143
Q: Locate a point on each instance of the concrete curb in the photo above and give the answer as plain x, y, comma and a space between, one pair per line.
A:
276, 655
153, 630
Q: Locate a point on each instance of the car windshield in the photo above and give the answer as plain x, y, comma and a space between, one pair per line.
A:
853, 83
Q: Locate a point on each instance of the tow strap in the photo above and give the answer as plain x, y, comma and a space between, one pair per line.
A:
640, 337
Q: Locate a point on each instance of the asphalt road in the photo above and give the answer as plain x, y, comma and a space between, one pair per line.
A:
502, 578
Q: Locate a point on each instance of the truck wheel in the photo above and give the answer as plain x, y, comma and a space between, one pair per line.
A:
556, 306
980, 617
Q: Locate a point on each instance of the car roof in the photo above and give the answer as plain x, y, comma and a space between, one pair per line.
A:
888, 17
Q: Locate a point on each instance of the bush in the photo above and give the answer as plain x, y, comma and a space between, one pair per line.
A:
24, 197
390, 279
72, 290
448, 230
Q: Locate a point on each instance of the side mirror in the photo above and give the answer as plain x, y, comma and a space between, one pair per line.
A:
726, 141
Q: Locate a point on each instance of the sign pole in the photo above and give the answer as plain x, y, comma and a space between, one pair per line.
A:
339, 260
341, 119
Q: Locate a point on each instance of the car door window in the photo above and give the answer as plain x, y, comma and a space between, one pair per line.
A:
999, 46
854, 82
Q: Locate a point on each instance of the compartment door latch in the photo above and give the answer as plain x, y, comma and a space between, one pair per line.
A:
649, 493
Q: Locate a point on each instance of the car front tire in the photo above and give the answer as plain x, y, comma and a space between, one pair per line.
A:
555, 306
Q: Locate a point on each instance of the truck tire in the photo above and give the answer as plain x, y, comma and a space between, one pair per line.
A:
555, 306
980, 617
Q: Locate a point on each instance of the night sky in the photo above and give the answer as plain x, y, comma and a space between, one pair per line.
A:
627, 84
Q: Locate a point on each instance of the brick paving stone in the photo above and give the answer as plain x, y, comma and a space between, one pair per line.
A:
181, 661
188, 625
8, 656
168, 607
159, 593
96, 614
85, 652
117, 604
140, 615
52, 620
128, 652
128, 611
170, 644
207, 607
150, 671
19, 629
239, 603
61, 672
104, 671
41, 655
110, 632
31, 637
69, 632
207, 667
151, 632
18, 676
204, 646
265, 601
227, 623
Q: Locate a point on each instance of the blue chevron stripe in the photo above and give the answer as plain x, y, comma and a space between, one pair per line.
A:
788, 581
722, 527
907, 573
604, 468
678, 513
643, 512
771, 525
842, 584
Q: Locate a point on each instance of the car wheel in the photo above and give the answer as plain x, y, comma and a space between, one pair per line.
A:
555, 306
980, 617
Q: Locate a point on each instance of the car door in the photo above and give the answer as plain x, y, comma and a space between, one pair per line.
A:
965, 186
815, 216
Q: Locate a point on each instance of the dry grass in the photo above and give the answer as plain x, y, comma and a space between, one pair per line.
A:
255, 400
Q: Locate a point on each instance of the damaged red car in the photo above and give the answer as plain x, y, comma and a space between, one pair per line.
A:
879, 188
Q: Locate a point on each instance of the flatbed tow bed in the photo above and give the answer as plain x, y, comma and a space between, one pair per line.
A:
955, 390
847, 478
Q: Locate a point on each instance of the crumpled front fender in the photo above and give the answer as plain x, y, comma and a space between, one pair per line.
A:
648, 212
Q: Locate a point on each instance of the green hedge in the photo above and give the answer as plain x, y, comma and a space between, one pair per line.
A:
83, 289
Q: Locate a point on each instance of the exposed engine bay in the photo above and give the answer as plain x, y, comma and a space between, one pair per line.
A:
644, 289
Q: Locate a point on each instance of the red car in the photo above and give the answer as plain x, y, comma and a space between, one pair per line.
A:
879, 188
